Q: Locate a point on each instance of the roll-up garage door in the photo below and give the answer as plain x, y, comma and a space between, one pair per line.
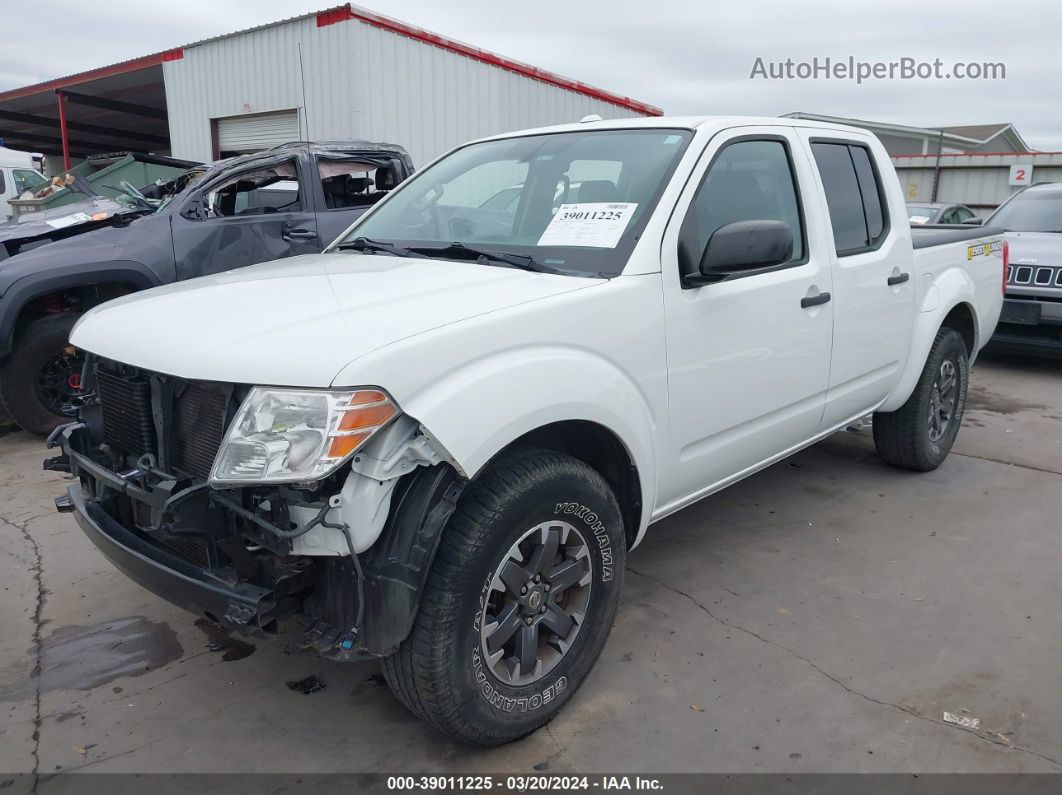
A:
258, 131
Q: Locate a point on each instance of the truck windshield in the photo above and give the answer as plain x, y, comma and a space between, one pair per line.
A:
573, 203
1035, 211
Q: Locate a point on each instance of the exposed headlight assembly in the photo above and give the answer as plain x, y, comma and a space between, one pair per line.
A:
295, 435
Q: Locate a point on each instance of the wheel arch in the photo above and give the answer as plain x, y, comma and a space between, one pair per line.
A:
26, 299
599, 448
949, 303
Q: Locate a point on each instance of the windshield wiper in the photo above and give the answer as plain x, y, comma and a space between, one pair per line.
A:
521, 261
365, 244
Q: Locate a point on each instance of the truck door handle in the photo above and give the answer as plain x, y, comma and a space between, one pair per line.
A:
298, 234
899, 278
814, 300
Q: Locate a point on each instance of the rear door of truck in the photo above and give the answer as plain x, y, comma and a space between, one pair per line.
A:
348, 184
873, 279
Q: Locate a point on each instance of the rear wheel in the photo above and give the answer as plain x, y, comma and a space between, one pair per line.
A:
519, 602
919, 434
43, 374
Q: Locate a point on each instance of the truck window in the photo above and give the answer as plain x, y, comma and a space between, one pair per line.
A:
749, 181
262, 191
348, 182
515, 197
853, 194
871, 191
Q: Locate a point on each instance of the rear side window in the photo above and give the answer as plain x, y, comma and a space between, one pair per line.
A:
749, 181
854, 196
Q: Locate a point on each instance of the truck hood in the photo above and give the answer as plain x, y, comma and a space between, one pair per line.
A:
68, 220
299, 321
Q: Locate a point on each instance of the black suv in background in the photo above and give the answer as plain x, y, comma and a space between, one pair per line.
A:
293, 199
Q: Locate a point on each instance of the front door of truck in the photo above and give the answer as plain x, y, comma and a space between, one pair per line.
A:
873, 275
257, 214
748, 357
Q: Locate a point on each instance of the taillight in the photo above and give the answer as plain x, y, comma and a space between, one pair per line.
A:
1006, 265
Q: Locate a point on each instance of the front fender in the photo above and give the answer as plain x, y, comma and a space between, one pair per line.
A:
477, 410
938, 298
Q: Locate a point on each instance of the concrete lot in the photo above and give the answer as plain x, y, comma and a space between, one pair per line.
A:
820, 616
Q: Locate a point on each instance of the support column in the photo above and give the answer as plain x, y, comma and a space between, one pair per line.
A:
62, 130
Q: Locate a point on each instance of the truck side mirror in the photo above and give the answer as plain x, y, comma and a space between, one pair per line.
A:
745, 246
193, 209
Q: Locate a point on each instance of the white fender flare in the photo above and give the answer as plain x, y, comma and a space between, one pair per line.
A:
949, 290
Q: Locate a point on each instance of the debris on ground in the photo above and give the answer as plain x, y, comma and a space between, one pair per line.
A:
311, 684
965, 721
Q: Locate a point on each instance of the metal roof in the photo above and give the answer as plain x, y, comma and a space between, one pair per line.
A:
332, 16
960, 135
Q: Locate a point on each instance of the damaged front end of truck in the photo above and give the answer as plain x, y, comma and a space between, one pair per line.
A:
262, 510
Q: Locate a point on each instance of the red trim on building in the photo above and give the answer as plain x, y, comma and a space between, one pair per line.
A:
981, 154
83, 77
173, 55
347, 13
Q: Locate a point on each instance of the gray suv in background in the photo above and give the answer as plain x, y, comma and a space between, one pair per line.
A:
1032, 311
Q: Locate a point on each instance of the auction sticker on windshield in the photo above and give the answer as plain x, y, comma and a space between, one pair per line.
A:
595, 224
68, 220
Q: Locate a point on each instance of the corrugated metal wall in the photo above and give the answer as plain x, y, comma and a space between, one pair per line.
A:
356, 80
977, 180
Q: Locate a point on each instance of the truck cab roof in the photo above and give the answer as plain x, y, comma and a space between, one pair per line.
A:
686, 123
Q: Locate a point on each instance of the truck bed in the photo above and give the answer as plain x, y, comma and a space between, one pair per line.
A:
973, 253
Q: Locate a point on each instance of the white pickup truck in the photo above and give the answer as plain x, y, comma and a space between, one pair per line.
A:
436, 442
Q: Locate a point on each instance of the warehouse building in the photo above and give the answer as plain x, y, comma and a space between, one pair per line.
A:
976, 165
341, 73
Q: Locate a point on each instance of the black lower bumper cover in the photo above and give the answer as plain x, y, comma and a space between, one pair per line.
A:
243, 607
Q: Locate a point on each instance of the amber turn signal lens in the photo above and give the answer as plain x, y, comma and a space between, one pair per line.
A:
370, 416
342, 446
367, 396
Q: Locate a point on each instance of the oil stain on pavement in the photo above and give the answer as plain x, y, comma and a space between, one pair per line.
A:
221, 640
85, 657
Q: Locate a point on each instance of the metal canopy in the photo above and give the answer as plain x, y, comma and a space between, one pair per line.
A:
115, 108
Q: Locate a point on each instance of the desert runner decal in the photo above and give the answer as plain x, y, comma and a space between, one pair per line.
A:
984, 249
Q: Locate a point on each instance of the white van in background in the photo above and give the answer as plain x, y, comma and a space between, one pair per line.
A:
18, 173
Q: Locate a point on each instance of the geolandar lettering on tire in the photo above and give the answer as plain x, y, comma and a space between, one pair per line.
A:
597, 527
500, 701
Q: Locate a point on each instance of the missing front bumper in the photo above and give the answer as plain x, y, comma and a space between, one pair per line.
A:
243, 607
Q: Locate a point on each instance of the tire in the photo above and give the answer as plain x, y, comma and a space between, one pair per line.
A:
910, 437
464, 677
43, 343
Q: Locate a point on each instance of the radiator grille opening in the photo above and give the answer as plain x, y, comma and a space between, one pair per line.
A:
199, 422
126, 404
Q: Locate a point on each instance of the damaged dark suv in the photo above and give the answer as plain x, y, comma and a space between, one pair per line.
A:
290, 200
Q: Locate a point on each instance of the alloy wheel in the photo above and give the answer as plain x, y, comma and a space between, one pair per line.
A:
537, 603
942, 400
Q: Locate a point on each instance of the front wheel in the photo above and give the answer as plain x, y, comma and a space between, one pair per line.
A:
519, 602
43, 374
919, 434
